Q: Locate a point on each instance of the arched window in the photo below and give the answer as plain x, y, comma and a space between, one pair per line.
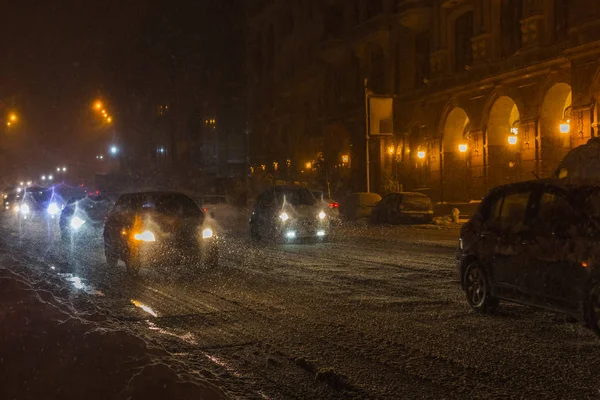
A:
463, 33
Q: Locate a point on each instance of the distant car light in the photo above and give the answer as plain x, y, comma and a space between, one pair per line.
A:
321, 233
207, 233
24, 209
334, 205
76, 222
145, 236
290, 234
322, 215
53, 209
284, 216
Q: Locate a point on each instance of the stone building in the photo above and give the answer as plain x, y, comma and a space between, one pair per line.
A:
486, 92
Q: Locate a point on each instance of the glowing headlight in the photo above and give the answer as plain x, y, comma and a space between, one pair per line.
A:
24, 209
284, 217
53, 209
76, 222
290, 234
145, 236
207, 233
322, 215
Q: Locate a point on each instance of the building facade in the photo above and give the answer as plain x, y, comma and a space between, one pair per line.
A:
485, 92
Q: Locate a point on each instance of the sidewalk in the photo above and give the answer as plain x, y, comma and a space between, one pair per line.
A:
48, 350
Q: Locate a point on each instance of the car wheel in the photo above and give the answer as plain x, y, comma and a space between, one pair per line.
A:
212, 259
593, 309
133, 264
112, 258
254, 233
477, 290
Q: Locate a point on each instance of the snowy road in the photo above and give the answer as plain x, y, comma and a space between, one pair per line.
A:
376, 313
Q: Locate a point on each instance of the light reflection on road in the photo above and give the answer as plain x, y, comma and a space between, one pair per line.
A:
144, 307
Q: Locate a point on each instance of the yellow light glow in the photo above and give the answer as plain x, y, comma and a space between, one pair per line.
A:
391, 150
8, 123
109, 120
98, 105
13, 117
512, 139
308, 165
144, 307
421, 154
565, 126
345, 159
463, 147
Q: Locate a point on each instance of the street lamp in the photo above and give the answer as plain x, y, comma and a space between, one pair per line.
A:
565, 123
512, 139
421, 154
43, 177
114, 150
28, 183
64, 169
463, 147
345, 159
98, 105
50, 177
308, 165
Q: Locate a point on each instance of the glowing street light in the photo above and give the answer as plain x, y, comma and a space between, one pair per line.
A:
345, 159
114, 150
50, 177
308, 165
64, 169
13, 117
98, 105
421, 154
512, 139
463, 147
109, 120
391, 150
57, 169
43, 177
29, 183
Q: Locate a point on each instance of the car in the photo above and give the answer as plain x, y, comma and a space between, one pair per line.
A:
355, 206
39, 203
289, 213
148, 228
534, 243
11, 200
327, 202
402, 207
83, 217
223, 210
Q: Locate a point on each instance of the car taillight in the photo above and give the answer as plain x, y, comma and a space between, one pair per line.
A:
204, 209
333, 205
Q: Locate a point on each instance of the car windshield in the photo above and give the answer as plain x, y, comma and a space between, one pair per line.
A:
169, 203
39, 195
211, 200
296, 197
416, 200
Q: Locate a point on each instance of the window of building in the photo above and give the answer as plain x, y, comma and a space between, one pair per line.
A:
561, 19
463, 33
423, 67
373, 8
511, 12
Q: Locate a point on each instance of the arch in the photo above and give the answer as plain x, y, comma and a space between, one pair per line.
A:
502, 115
454, 127
554, 144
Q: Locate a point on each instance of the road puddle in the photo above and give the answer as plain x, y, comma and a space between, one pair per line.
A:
80, 285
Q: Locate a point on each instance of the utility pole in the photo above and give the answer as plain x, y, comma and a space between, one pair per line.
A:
367, 158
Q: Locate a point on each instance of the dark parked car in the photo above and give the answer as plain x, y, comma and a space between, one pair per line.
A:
396, 208
287, 213
535, 243
157, 227
83, 218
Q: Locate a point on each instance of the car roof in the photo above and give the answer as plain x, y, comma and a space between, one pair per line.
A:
153, 193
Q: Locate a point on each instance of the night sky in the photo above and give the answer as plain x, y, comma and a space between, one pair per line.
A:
58, 56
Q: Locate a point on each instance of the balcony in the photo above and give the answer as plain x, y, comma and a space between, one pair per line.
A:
415, 15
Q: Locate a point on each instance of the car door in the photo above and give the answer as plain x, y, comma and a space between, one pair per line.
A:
265, 207
509, 264
558, 273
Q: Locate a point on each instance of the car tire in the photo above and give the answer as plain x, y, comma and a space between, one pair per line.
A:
112, 259
254, 235
212, 258
133, 264
593, 309
478, 290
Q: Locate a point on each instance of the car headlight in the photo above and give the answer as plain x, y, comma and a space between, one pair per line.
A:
284, 216
145, 236
322, 215
207, 233
53, 209
76, 222
24, 209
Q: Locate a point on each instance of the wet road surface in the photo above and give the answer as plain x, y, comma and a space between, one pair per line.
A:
375, 313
